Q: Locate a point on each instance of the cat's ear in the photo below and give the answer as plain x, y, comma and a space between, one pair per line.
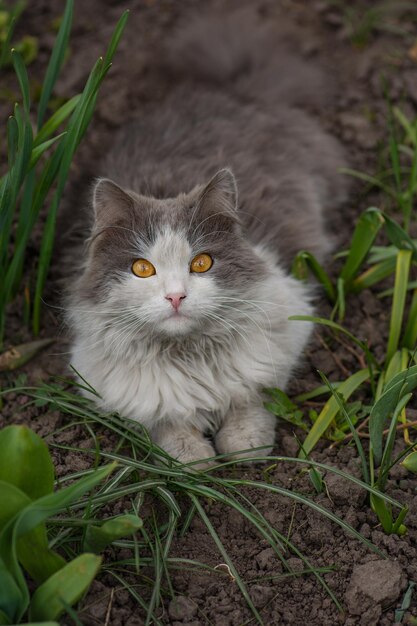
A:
111, 203
220, 195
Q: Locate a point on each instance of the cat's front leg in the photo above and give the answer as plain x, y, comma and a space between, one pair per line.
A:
246, 427
184, 443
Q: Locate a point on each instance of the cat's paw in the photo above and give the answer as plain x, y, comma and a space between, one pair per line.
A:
188, 446
239, 444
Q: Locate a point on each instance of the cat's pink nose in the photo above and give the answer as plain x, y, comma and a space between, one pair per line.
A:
176, 299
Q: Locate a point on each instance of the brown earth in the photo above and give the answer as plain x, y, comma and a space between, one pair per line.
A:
369, 587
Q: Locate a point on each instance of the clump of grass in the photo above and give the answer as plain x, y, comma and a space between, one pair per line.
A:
392, 380
144, 468
39, 164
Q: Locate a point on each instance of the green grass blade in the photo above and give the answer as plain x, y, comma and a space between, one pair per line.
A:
56, 60
330, 410
364, 235
305, 261
398, 301
356, 438
40, 148
225, 556
374, 274
5, 45
22, 76
389, 444
410, 333
56, 120
394, 390
12, 139
115, 40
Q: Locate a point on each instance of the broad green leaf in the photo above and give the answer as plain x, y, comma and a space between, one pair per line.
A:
4, 620
25, 461
402, 384
36, 513
11, 600
64, 588
32, 549
98, 537
410, 462
330, 410
364, 235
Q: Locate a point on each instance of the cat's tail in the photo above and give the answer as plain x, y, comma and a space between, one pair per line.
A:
258, 58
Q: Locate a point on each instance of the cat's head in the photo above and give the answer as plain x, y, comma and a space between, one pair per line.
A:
170, 266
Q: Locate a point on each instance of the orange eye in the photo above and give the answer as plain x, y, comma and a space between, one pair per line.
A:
201, 263
143, 268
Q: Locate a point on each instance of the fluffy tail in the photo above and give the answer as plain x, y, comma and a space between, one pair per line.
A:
240, 50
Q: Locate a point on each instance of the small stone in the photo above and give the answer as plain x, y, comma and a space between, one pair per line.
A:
375, 582
266, 558
182, 608
260, 595
295, 565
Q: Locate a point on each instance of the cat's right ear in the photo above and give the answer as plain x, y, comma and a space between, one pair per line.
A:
111, 203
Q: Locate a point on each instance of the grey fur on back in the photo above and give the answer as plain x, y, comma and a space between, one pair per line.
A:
233, 105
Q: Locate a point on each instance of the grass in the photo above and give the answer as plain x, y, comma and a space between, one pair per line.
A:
393, 379
39, 164
144, 469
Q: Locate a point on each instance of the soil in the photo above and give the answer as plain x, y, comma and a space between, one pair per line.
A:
369, 587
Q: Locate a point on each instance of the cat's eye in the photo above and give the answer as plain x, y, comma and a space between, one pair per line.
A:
201, 263
143, 268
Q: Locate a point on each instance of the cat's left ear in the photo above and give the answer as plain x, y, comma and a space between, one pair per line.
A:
111, 203
219, 196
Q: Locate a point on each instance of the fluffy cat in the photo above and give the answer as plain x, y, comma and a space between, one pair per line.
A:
180, 307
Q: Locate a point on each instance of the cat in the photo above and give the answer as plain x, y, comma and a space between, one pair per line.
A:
179, 308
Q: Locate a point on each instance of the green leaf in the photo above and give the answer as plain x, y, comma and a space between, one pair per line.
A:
12, 602
305, 261
98, 537
22, 76
410, 462
56, 60
402, 384
64, 588
398, 301
32, 549
25, 461
374, 274
330, 410
56, 120
364, 235
36, 513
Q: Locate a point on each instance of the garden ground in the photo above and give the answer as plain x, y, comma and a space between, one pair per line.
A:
368, 586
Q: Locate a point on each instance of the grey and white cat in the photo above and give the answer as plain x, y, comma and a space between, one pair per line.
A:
180, 307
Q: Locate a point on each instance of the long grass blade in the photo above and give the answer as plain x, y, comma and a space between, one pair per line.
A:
398, 301
56, 60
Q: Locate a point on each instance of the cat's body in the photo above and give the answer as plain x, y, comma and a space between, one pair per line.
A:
185, 352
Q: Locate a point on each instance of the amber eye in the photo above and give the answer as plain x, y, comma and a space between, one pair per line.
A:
201, 263
143, 268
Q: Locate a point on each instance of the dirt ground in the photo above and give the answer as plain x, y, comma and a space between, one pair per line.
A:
369, 588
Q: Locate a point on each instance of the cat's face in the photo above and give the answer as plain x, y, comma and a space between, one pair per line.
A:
169, 267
